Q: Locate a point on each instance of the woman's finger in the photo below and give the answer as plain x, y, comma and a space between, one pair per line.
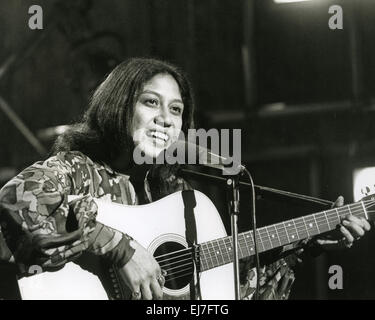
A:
366, 224
355, 229
348, 236
339, 202
136, 293
157, 292
146, 291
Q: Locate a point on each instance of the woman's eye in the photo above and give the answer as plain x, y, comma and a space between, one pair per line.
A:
152, 102
176, 110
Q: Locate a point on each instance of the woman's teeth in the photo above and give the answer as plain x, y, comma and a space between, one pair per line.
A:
159, 135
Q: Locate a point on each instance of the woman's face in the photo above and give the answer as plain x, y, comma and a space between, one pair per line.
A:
157, 119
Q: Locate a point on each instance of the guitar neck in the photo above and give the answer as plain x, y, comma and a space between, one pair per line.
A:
219, 252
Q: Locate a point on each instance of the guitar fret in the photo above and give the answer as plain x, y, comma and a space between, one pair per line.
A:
224, 250
278, 235
230, 248
282, 233
307, 229
350, 212
210, 261
209, 253
324, 226
268, 236
286, 231
311, 226
259, 240
346, 210
222, 247
214, 252
227, 251
243, 244
364, 210
217, 251
295, 227
317, 224
325, 215
202, 258
248, 236
302, 232
294, 235
275, 236
338, 215
240, 251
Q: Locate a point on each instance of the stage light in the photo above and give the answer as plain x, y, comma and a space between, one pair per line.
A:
289, 1
363, 182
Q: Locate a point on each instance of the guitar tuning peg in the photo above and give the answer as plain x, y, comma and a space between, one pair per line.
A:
368, 190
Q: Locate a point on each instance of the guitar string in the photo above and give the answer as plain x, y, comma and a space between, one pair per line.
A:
183, 265
175, 257
334, 211
354, 212
180, 276
168, 253
173, 263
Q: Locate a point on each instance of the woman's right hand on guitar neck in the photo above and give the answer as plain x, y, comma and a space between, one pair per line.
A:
143, 275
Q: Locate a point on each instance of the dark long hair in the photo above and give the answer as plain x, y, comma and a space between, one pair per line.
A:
104, 132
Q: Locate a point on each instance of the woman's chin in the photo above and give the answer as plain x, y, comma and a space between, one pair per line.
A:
153, 152
149, 153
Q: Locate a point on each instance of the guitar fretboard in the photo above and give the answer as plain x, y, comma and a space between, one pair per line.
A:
220, 251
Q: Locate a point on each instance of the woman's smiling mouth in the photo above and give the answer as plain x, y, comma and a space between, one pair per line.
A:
158, 136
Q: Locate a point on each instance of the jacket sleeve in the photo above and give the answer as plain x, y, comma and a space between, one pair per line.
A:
277, 272
39, 226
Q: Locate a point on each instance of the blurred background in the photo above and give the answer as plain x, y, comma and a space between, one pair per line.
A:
302, 94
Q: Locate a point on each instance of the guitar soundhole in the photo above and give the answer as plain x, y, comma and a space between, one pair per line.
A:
177, 261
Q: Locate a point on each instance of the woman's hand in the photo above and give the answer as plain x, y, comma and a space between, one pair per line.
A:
143, 275
352, 228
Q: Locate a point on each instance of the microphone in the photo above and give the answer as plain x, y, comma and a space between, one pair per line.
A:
187, 153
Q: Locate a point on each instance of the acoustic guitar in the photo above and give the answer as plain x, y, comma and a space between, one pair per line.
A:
160, 227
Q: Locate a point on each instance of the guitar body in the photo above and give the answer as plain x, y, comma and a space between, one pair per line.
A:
159, 227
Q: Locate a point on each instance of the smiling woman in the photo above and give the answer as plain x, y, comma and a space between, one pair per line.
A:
139, 98
157, 119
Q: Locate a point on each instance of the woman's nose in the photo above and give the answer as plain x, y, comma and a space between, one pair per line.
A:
163, 118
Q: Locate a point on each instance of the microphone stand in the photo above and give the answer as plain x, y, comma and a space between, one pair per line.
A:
233, 192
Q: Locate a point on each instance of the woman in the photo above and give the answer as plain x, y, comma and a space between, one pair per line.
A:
143, 103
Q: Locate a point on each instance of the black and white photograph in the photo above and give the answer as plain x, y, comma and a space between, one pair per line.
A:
213, 150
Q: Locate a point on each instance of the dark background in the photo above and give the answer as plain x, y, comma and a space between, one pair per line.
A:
301, 93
